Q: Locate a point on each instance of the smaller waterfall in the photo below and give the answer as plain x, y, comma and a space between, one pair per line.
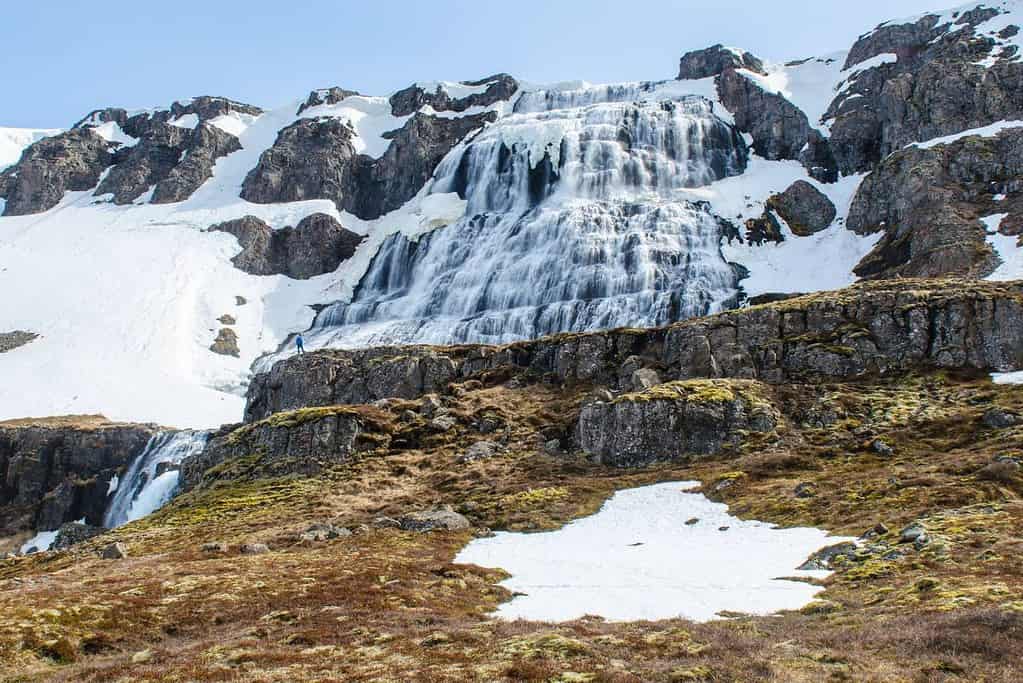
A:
152, 479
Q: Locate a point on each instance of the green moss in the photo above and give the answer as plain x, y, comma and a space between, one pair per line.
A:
700, 391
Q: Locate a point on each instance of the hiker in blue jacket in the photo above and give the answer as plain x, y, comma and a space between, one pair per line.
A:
300, 343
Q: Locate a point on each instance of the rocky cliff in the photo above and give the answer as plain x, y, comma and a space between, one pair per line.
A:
60, 470
871, 328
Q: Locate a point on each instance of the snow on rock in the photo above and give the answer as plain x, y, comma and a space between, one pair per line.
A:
638, 559
13, 142
189, 121
1008, 250
111, 132
41, 541
984, 132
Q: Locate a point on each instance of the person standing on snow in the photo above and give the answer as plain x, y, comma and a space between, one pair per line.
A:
300, 343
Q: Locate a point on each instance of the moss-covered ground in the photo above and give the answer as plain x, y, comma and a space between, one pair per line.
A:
388, 605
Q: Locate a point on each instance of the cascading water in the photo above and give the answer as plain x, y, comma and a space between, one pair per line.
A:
152, 478
576, 220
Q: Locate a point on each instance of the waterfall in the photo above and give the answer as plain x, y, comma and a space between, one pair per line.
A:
577, 219
152, 478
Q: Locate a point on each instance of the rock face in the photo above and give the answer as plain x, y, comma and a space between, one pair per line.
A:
929, 201
317, 245
714, 60
780, 130
499, 87
301, 442
172, 159
804, 208
940, 85
674, 421
50, 475
870, 328
315, 159
68, 162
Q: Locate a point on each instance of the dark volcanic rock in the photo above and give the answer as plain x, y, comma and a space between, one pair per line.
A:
674, 421
316, 159
714, 60
303, 442
317, 245
804, 208
937, 87
870, 328
326, 96
498, 87
52, 475
68, 162
928, 202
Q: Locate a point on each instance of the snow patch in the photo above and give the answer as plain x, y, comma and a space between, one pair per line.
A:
14, 141
638, 559
985, 132
188, 121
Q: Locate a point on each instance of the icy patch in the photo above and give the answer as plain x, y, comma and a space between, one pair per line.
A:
1007, 377
42, 541
984, 132
189, 121
638, 559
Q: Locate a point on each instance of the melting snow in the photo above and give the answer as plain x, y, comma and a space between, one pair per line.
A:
638, 559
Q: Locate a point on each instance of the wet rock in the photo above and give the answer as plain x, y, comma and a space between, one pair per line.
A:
804, 208
74, 533
499, 87
114, 551
68, 162
226, 343
254, 549
714, 60
52, 474
481, 450
317, 245
828, 558
12, 340
444, 518
676, 421
997, 418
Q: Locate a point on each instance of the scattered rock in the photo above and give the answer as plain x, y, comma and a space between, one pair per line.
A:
214, 547
481, 450
413, 98
444, 518
882, 448
997, 418
443, 423
724, 528
226, 319
430, 406
12, 340
240, 300
226, 343
114, 551
324, 532
254, 549
386, 523
826, 558
878, 530
692, 520
142, 657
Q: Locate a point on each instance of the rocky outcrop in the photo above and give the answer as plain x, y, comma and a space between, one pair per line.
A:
175, 160
870, 328
780, 129
317, 245
73, 533
499, 87
298, 442
947, 78
226, 343
13, 340
315, 158
804, 208
52, 472
68, 162
928, 203
714, 60
674, 421
325, 96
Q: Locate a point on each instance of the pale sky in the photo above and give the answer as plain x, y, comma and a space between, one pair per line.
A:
63, 58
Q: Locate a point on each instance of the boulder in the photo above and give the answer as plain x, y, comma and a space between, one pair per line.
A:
439, 519
317, 245
804, 208
481, 450
674, 421
997, 418
226, 343
114, 551
254, 549
826, 558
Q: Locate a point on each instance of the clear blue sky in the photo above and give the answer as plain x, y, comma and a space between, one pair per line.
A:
62, 58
